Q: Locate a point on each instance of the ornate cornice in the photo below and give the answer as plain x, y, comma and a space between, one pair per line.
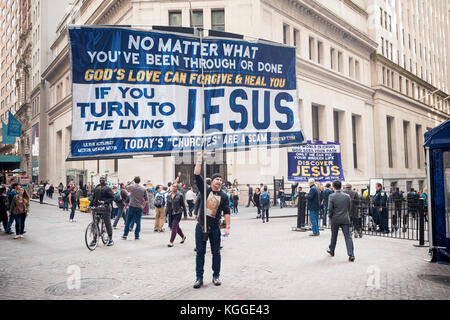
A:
332, 21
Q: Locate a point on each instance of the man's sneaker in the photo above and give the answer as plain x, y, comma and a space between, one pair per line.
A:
216, 281
330, 253
16, 237
198, 283
9, 232
110, 243
21, 236
115, 228
124, 238
93, 243
136, 238
351, 258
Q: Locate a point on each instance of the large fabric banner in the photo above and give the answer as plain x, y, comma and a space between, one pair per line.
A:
137, 92
5, 138
322, 162
14, 126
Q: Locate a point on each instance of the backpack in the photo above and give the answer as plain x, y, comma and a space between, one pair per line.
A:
117, 197
265, 199
159, 201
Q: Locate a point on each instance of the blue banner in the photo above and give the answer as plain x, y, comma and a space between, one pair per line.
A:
138, 91
5, 138
14, 126
322, 162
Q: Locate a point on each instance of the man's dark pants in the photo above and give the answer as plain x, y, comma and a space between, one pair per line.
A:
348, 238
200, 245
41, 198
250, 199
119, 215
134, 215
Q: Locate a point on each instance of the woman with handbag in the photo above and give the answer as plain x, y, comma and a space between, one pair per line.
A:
175, 208
19, 207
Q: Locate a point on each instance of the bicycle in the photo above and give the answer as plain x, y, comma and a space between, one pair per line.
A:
93, 230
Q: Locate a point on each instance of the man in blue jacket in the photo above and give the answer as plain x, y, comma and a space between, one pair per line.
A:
313, 198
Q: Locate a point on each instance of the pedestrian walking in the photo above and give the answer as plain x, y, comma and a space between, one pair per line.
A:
397, 198
160, 209
72, 199
4, 207
216, 204
12, 193
235, 199
115, 207
339, 205
20, 207
65, 198
51, 190
257, 202
265, 204
380, 205
41, 193
326, 193
355, 214
138, 200
281, 196
175, 208
190, 197
313, 203
60, 188
250, 196
120, 198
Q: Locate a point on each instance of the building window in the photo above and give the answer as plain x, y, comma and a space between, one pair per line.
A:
400, 82
382, 46
296, 37
354, 142
175, 18
320, 52
311, 48
197, 19
384, 71
315, 122
406, 142
357, 70
381, 16
333, 58
218, 19
408, 186
389, 140
336, 125
340, 62
351, 68
418, 144
392, 80
285, 33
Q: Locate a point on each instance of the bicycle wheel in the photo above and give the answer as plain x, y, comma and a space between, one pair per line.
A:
91, 236
104, 234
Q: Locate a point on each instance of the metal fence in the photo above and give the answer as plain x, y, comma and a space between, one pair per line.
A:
399, 219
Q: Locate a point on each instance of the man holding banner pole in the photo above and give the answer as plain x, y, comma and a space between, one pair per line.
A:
216, 204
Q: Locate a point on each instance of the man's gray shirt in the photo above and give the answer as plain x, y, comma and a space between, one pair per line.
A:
339, 205
137, 195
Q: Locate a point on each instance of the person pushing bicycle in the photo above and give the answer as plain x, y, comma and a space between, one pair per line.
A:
103, 196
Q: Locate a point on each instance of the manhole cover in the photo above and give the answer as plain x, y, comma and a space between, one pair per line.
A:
87, 286
445, 280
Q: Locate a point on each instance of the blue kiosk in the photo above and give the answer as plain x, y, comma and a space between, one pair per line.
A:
437, 153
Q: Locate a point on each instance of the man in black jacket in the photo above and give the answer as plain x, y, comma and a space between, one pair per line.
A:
216, 204
103, 194
256, 201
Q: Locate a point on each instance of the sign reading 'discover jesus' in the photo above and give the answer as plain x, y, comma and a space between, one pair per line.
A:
141, 92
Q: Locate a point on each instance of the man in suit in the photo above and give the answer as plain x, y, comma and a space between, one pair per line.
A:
339, 205
313, 198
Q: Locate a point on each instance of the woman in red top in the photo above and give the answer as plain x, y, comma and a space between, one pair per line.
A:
20, 206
